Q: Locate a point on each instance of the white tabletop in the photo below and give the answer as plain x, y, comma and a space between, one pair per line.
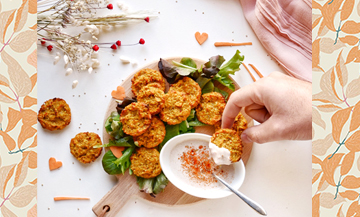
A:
278, 174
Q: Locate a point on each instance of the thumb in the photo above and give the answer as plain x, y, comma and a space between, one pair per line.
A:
266, 132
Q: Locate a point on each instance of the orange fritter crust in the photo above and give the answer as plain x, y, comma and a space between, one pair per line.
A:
152, 95
176, 108
190, 88
145, 77
135, 118
229, 139
54, 114
81, 146
145, 163
211, 107
153, 136
240, 124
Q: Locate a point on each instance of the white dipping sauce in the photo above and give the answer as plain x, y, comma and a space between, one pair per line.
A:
193, 173
221, 156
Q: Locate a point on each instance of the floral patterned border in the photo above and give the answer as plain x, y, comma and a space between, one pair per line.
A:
18, 105
336, 108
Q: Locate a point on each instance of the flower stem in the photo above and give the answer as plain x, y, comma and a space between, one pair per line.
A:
337, 188
7, 43
20, 150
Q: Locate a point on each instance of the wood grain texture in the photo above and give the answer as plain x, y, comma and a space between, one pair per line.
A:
127, 186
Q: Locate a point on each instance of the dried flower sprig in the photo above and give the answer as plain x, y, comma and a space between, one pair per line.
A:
54, 16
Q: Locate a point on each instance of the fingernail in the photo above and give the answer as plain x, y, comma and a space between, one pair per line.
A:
245, 138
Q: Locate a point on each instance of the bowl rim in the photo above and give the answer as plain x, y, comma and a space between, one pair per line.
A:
210, 194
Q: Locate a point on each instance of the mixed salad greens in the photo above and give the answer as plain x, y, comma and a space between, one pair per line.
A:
213, 70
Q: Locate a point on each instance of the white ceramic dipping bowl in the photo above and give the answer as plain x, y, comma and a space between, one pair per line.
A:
182, 184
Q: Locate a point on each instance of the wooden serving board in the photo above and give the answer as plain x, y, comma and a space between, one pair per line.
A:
127, 186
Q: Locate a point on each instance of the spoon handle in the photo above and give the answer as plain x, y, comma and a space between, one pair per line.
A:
247, 200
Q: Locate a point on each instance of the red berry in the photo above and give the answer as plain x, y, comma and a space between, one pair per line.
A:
110, 6
49, 47
42, 42
118, 43
142, 41
113, 47
95, 48
147, 19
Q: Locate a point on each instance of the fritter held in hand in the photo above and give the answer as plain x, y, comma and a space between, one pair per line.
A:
229, 139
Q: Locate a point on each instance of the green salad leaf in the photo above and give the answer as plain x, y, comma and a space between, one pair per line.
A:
208, 88
231, 66
160, 183
108, 164
113, 126
153, 186
118, 142
222, 92
124, 161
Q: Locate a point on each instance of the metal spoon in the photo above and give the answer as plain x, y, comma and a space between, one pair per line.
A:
247, 200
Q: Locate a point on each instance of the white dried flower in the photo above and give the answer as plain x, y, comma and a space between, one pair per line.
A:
94, 37
56, 60
68, 71
75, 83
66, 59
96, 63
90, 70
124, 59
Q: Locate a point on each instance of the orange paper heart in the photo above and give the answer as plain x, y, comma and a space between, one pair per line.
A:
53, 164
119, 93
201, 38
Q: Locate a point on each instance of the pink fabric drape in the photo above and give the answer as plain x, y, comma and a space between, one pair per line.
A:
284, 29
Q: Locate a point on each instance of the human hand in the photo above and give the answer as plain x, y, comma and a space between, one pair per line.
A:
282, 104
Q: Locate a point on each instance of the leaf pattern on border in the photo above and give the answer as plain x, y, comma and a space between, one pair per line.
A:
327, 45
5, 173
329, 165
29, 101
347, 163
4, 81
341, 70
349, 194
4, 17
353, 90
14, 117
6, 212
347, 9
352, 143
23, 41
9, 142
19, 78
338, 120
32, 59
25, 133
21, 171
23, 196
320, 146
21, 16
327, 200
328, 108
351, 182
316, 118
355, 117
32, 212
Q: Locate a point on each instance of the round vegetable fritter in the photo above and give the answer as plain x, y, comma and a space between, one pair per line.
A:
135, 119
145, 77
217, 126
153, 136
145, 163
81, 146
240, 124
176, 108
54, 114
211, 107
229, 139
190, 88
153, 96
